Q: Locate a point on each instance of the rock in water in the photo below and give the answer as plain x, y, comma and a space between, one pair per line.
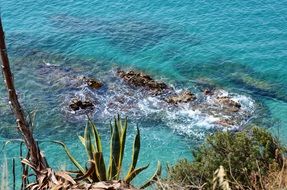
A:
77, 104
226, 122
92, 83
143, 80
231, 105
208, 92
184, 97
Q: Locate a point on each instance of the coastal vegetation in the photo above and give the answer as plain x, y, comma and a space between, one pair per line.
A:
249, 159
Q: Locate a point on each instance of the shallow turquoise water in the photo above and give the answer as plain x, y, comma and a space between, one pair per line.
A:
238, 46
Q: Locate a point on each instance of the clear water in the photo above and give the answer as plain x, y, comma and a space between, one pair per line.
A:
237, 46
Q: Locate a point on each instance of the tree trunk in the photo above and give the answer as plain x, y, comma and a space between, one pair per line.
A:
36, 159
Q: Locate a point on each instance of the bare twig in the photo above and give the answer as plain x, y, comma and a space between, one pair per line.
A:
34, 151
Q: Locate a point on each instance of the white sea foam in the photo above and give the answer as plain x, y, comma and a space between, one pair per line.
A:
192, 119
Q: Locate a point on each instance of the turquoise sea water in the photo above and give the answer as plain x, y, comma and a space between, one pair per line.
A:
237, 46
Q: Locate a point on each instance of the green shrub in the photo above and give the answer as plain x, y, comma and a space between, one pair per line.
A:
247, 157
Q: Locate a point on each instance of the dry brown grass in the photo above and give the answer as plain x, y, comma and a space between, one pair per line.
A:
62, 181
277, 180
168, 185
104, 185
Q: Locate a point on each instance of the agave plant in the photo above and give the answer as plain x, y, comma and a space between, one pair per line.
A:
97, 170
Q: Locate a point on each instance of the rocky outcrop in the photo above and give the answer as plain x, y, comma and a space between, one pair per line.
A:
226, 122
77, 104
143, 80
184, 97
140, 90
228, 103
139, 87
208, 92
92, 83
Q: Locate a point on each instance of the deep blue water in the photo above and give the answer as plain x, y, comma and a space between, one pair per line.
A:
237, 46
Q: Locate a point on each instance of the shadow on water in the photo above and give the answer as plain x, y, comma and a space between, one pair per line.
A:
128, 34
26, 44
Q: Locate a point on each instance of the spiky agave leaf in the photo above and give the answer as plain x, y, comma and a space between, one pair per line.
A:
88, 143
100, 166
119, 123
96, 136
82, 139
123, 134
70, 156
90, 149
97, 170
134, 173
136, 151
96, 147
154, 177
114, 153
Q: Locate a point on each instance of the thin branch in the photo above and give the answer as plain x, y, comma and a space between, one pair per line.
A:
36, 158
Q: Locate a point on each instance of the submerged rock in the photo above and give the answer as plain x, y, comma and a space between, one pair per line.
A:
252, 82
260, 85
77, 104
143, 80
230, 74
184, 97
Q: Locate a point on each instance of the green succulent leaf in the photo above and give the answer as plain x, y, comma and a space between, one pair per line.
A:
100, 166
123, 135
136, 151
88, 143
97, 170
96, 135
154, 177
82, 139
114, 153
70, 156
118, 121
134, 173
